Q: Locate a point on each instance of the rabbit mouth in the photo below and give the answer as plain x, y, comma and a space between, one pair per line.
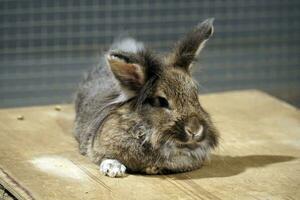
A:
190, 141
187, 138
183, 140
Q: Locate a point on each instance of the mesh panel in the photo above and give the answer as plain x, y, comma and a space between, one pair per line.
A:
46, 45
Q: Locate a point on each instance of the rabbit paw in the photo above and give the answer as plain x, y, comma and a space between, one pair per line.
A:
152, 170
112, 168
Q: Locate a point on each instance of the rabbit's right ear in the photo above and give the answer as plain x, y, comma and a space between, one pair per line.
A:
190, 46
126, 69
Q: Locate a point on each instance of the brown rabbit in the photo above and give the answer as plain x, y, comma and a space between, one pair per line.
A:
140, 112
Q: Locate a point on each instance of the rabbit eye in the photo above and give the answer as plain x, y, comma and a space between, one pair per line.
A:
158, 102
163, 102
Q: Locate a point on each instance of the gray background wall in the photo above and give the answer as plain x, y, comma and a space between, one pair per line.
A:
45, 46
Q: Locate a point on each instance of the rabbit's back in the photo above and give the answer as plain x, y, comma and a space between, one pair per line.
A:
95, 92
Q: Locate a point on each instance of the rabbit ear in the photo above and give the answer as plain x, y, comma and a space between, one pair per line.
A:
127, 71
190, 46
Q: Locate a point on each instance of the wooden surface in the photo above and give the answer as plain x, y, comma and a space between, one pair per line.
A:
258, 157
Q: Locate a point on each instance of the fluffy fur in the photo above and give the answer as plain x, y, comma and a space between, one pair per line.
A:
141, 110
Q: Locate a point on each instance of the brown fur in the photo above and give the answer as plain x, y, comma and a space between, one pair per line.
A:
139, 110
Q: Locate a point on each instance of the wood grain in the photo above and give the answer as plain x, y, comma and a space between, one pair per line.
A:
258, 157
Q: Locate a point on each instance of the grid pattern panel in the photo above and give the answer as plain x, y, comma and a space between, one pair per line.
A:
46, 45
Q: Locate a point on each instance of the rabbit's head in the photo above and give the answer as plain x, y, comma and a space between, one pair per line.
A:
161, 89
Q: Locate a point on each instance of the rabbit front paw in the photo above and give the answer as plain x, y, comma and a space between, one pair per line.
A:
112, 168
152, 170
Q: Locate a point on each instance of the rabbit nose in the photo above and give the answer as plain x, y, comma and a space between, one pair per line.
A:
196, 132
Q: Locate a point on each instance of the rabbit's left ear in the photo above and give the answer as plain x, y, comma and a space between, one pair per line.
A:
189, 47
126, 69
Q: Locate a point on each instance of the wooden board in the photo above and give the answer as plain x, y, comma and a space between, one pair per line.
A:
258, 157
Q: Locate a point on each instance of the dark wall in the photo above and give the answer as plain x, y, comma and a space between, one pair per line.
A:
46, 45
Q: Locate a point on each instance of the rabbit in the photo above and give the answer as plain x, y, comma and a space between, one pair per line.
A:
139, 112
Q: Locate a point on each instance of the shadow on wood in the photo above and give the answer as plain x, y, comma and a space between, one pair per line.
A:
226, 166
